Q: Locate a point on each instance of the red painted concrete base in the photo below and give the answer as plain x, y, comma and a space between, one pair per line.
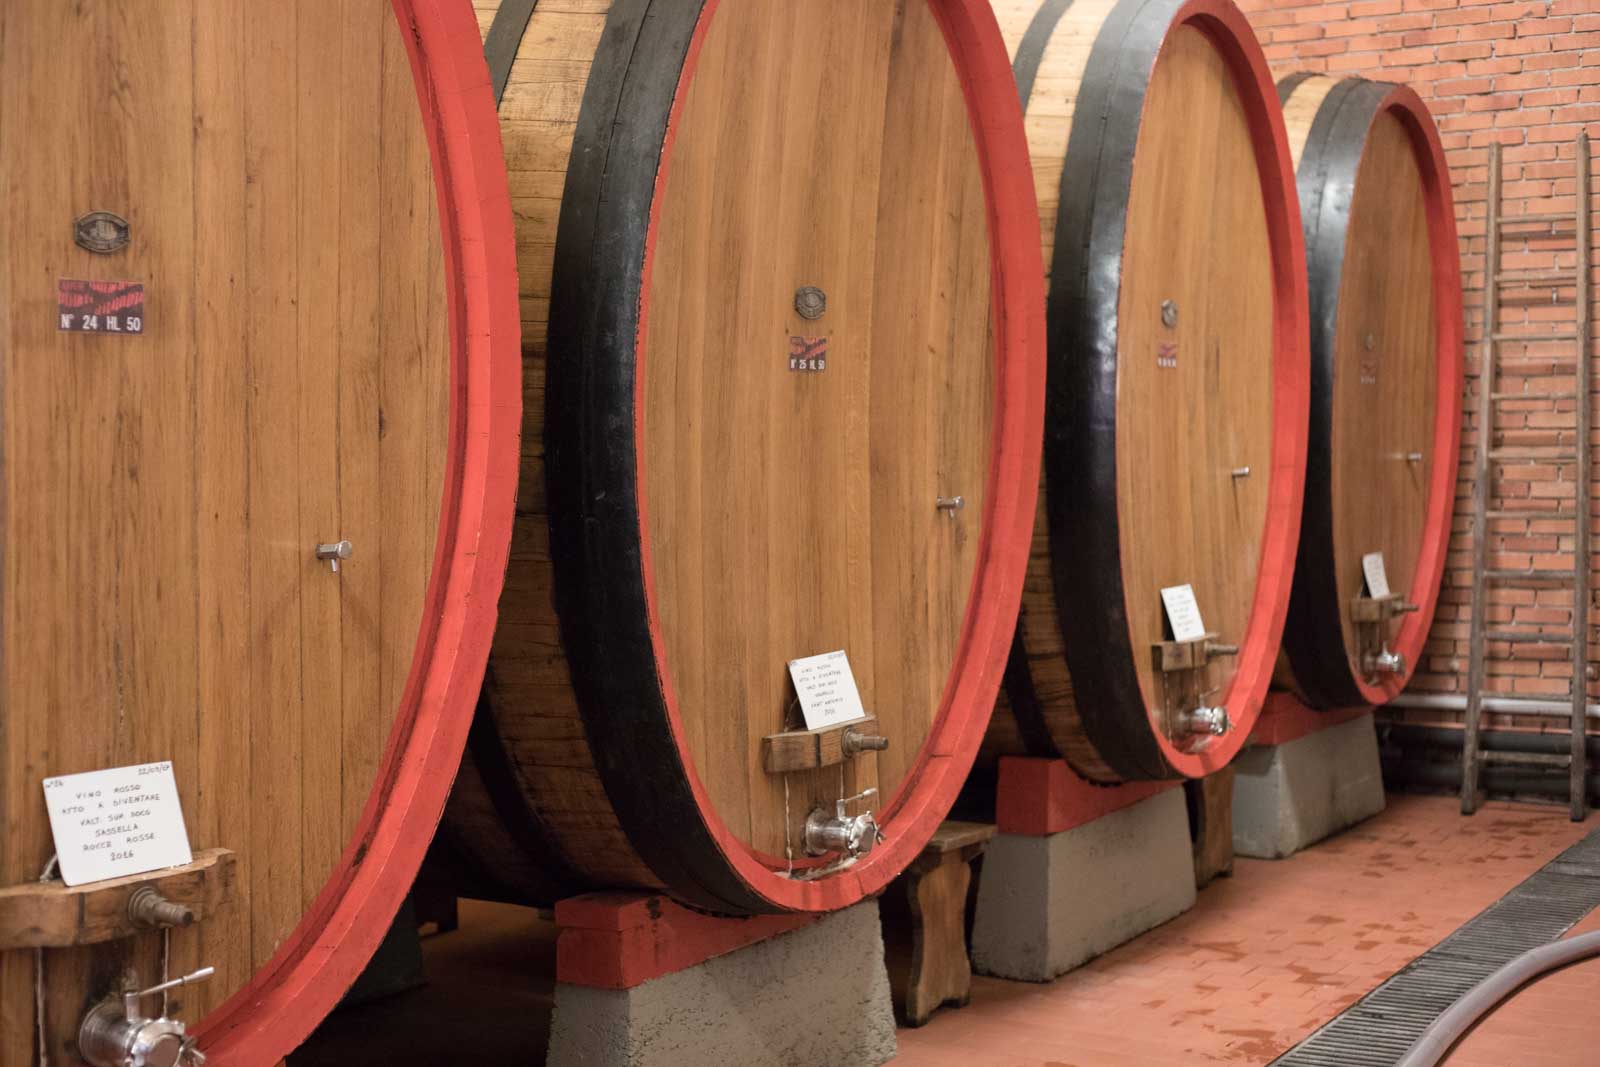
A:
1039, 797
622, 940
1284, 719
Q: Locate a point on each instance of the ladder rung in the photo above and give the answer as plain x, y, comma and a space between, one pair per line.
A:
1535, 361
1532, 338
1500, 575
1505, 637
1522, 453
1537, 277
1533, 396
1532, 515
1542, 698
1528, 759
1547, 217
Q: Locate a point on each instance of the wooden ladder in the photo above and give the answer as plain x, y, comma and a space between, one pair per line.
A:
1491, 454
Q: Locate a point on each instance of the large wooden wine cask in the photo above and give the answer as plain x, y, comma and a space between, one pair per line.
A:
1175, 420
1385, 285
294, 324
783, 341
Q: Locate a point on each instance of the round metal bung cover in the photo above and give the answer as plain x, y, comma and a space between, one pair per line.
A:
166, 1050
101, 232
810, 302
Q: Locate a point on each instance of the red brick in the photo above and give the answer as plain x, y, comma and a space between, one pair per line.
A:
1550, 96
1464, 51
1487, 32
1420, 21
1463, 86
1582, 76
1350, 28
1536, 79
1536, 27
1578, 113
1521, 46
1320, 48
1373, 42
1493, 66
1466, 16
1343, 63
1566, 41
1421, 37
1552, 61
1494, 102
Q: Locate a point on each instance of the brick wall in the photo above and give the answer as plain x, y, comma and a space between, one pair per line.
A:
1525, 75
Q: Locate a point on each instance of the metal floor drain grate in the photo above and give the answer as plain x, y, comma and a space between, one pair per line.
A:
1376, 1030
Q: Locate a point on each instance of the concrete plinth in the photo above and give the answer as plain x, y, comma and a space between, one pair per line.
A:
1048, 903
814, 995
1290, 795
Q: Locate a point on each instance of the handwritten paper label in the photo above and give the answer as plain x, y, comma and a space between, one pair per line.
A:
827, 690
1377, 577
110, 824
1183, 613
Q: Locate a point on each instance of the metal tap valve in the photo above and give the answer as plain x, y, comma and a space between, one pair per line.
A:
117, 1035
1213, 721
1384, 662
853, 741
147, 908
854, 836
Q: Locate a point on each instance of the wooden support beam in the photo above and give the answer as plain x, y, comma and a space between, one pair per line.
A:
806, 750
53, 915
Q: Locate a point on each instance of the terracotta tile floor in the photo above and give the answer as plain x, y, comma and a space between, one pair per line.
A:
1272, 953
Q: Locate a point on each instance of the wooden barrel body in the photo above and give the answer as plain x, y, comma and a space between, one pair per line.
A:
294, 324
783, 332
1175, 436
1386, 322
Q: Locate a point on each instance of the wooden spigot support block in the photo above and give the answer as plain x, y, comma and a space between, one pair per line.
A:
806, 750
1379, 608
53, 915
1172, 656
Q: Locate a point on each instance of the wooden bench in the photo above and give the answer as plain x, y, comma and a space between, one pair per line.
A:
931, 969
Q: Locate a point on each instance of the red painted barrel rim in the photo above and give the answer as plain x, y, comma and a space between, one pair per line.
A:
316, 964
1413, 114
913, 813
1227, 27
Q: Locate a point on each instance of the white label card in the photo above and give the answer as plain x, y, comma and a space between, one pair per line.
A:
111, 824
1183, 613
827, 690
1377, 577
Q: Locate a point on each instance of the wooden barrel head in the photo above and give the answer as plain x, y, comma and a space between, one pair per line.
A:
1385, 291
794, 303
1174, 432
291, 338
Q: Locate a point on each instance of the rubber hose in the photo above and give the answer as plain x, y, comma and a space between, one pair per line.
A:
1437, 1040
